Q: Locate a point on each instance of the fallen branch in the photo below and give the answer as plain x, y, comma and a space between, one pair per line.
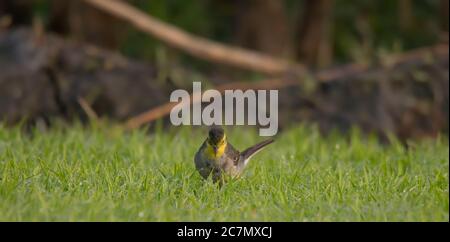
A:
165, 109
321, 76
92, 115
196, 46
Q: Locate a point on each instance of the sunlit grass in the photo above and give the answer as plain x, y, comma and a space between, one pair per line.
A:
102, 173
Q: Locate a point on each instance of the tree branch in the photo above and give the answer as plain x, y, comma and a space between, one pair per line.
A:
196, 46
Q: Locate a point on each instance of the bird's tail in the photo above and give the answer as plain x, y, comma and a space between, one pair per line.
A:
248, 153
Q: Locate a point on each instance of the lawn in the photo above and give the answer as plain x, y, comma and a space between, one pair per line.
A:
103, 173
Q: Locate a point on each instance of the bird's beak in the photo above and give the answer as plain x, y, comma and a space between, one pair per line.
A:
215, 149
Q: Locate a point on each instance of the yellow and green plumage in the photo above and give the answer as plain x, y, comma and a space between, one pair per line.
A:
218, 158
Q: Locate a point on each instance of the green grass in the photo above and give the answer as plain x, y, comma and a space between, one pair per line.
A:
101, 173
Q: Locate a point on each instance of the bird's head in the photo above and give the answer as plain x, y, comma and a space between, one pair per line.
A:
216, 139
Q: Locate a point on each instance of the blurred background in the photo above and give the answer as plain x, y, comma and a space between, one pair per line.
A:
381, 66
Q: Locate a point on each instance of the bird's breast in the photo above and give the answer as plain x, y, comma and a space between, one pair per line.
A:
215, 153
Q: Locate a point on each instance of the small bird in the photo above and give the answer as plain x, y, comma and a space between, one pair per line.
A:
217, 157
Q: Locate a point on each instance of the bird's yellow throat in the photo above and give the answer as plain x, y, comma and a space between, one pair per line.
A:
220, 149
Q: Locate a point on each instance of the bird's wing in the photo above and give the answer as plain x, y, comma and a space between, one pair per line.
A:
232, 154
